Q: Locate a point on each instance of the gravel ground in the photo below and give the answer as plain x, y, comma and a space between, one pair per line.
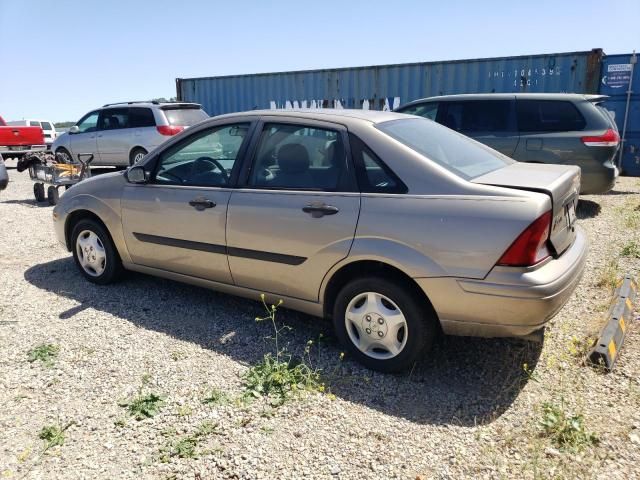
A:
467, 411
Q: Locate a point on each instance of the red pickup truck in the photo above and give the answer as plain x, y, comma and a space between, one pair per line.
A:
16, 141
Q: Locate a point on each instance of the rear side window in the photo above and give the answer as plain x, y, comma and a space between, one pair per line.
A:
373, 175
141, 117
476, 116
184, 117
548, 116
427, 110
34, 123
113, 119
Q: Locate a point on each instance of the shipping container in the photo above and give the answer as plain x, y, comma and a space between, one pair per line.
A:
388, 86
617, 77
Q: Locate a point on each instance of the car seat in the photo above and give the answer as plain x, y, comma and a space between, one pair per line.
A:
293, 163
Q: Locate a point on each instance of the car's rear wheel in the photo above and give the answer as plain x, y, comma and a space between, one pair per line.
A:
94, 252
384, 325
64, 155
137, 154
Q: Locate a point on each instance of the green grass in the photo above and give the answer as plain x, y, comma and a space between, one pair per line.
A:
187, 446
45, 353
216, 397
53, 435
566, 432
631, 249
608, 275
280, 379
144, 406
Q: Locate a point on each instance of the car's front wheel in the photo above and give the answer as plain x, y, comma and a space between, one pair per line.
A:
94, 252
383, 324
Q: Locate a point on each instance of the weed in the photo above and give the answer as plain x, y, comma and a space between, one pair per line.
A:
144, 406
186, 447
279, 377
120, 423
609, 274
46, 353
215, 397
185, 411
631, 249
146, 379
567, 432
175, 356
530, 373
53, 435
579, 348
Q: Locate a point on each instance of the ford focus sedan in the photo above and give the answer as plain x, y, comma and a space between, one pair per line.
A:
392, 226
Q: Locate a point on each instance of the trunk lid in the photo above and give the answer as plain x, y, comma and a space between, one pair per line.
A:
560, 182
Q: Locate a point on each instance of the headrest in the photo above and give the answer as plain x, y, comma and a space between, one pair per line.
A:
293, 158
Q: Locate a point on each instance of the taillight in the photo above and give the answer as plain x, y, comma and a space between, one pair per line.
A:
610, 138
169, 129
531, 246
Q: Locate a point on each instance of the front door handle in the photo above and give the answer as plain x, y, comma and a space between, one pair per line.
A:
320, 210
201, 203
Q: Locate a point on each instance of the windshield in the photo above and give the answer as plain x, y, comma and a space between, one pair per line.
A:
184, 117
451, 150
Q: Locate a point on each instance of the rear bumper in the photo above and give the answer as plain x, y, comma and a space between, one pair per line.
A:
600, 180
11, 151
509, 302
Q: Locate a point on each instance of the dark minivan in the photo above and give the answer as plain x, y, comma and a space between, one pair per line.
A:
568, 129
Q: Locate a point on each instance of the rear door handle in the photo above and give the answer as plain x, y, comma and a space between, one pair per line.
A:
321, 210
201, 203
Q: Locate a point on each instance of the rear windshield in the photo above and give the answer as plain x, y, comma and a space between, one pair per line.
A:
46, 126
185, 116
453, 151
608, 115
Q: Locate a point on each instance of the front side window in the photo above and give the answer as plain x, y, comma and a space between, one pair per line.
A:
205, 159
427, 110
89, 123
299, 158
453, 151
549, 116
114, 119
474, 116
46, 126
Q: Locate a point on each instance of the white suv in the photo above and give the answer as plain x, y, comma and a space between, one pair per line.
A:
121, 134
48, 129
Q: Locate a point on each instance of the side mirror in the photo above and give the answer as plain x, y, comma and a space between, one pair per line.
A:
136, 175
74, 129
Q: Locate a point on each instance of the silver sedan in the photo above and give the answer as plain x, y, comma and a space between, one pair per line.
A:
392, 226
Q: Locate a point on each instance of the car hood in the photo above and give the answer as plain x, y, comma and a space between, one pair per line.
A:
560, 182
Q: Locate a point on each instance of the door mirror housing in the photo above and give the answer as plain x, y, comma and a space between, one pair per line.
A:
74, 129
136, 174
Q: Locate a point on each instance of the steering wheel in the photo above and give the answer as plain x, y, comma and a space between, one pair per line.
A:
213, 162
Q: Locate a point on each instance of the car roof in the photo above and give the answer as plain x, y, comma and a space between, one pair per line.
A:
507, 96
335, 115
149, 104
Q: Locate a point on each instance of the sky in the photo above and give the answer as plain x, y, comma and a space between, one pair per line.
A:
59, 59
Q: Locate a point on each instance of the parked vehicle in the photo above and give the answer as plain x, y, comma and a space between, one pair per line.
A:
15, 141
567, 129
122, 133
48, 128
373, 219
4, 176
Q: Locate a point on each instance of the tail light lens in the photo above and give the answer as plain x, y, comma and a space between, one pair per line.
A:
169, 129
531, 246
610, 138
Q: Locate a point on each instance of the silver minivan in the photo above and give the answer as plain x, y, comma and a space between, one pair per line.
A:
121, 134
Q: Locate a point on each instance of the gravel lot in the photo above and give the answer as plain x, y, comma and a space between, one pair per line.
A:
468, 411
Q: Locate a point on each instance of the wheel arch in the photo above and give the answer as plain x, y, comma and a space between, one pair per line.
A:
74, 217
363, 268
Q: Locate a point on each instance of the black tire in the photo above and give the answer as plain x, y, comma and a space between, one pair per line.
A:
421, 322
52, 195
112, 265
136, 152
64, 153
38, 192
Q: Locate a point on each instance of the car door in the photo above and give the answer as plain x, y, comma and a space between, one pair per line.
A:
176, 221
85, 139
295, 215
491, 122
114, 136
